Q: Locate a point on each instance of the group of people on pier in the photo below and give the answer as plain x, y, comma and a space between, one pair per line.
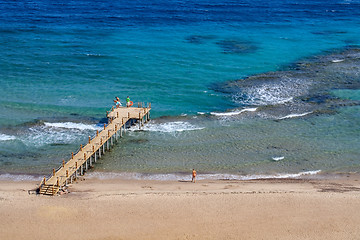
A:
118, 103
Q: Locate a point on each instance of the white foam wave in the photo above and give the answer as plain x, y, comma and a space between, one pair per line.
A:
337, 60
56, 133
237, 112
294, 115
4, 137
170, 127
183, 177
278, 158
19, 177
272, 93
72, 125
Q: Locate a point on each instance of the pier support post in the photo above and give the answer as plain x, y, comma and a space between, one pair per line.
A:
95, 157
121, 132
103, 149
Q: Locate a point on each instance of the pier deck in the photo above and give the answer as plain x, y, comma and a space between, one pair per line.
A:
118, 120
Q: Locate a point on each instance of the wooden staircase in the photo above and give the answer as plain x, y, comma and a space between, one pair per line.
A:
49, 190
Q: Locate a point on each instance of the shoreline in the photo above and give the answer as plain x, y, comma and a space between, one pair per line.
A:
182, 176
309, 208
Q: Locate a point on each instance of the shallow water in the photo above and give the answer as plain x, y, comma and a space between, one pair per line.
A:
233, 85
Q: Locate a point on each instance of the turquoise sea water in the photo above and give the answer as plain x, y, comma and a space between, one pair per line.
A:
294, 109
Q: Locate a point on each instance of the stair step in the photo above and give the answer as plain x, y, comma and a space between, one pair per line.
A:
49, 190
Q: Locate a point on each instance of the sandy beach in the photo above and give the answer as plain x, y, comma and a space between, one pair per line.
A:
222, 209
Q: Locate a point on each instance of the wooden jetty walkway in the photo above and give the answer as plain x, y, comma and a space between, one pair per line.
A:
118, 120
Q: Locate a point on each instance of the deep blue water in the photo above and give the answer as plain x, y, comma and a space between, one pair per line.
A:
64, 61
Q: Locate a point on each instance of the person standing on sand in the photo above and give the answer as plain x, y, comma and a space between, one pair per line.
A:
193, 176
128, 101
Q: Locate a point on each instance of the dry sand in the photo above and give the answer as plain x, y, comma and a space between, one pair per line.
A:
122, 209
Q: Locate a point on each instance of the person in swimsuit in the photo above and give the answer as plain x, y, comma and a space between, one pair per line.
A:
128, 101
193, 176
117, 102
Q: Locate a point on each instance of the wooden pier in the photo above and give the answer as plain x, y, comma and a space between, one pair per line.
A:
118, 120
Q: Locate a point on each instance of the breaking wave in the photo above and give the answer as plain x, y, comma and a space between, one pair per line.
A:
237, 112
294, 115
170, 127
72, 125
19, 177
4, 137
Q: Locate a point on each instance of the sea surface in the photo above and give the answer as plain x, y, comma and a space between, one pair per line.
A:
239, 89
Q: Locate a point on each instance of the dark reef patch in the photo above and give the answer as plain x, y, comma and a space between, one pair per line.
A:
329, 32
232, 46
199, 39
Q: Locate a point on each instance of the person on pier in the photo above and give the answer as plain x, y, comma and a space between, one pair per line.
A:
117, 102
128, 102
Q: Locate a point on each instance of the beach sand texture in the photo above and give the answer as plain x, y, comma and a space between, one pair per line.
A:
133, 209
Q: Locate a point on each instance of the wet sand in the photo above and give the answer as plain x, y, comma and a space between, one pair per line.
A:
222, 209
